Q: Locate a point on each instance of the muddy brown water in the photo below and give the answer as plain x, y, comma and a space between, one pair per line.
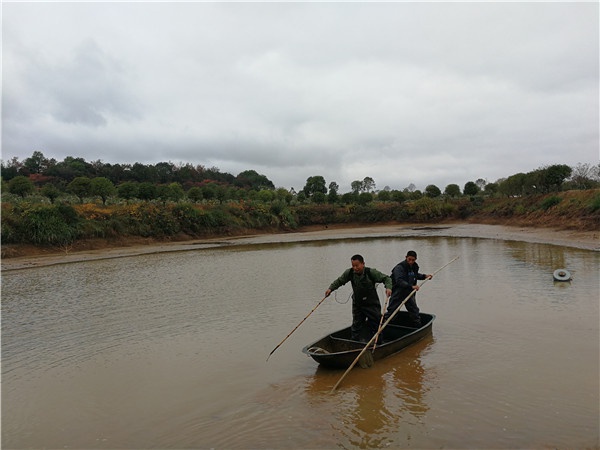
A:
169, 351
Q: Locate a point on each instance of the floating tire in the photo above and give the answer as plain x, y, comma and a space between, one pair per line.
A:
562, 275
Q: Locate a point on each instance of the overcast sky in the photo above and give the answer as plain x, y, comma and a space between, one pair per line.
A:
421, 93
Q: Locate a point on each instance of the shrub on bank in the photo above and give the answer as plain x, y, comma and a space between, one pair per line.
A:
24, 222
39, 224
594, 205
549, 202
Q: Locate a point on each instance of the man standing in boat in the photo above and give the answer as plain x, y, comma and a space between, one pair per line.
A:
404, 281
366, 308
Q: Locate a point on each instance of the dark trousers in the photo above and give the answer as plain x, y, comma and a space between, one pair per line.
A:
413, 310
411, 307
365, 316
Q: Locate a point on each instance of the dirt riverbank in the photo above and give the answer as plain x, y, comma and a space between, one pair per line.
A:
35, 257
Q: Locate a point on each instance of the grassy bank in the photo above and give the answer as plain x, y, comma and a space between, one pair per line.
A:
30, 228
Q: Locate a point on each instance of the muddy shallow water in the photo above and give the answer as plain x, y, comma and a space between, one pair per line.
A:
169, 350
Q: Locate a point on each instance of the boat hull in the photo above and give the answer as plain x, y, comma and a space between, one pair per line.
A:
338, 350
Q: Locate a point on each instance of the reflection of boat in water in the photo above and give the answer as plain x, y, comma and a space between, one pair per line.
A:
382, 400
338, 350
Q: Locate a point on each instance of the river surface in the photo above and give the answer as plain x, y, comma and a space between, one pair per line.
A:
169, 351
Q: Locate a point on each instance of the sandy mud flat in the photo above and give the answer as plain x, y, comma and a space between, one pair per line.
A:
588, 240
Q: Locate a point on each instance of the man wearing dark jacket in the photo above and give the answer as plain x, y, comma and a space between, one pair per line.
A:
404, 281
366, 309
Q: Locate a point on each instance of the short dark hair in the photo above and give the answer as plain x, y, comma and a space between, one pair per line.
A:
358, 258
411, 253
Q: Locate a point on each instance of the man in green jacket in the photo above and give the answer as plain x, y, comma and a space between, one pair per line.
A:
366, 309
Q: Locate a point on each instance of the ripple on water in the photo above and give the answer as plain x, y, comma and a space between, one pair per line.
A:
169, 351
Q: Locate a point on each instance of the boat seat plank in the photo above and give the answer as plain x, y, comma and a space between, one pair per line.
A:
334, 338
400, 327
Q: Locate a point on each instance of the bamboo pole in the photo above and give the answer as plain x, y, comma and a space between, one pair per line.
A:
278, 345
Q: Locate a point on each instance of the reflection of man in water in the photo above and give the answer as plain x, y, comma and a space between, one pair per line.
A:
404, 281
359, 418
371, 417
409, 381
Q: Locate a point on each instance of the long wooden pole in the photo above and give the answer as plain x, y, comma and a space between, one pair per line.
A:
278, 345
374, 338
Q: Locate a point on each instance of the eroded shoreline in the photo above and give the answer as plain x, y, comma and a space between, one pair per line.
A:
587, 240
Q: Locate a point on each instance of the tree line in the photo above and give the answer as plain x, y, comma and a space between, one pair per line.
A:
167, 181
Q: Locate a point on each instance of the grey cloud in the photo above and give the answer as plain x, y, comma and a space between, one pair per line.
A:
89, 89
428, 93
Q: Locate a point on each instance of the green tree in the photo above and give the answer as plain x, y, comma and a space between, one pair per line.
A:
266, 195
164, 171
143, 174
368, 184
384, 196
333, 196
283, 194
398, 196
301, 197
471, 188
51, 191
102, 187
432, 191
452, 190
552, 177
10, 169
21, 185
117, 173
222, 192
184, 173
414, 195
175, 192
319, 198
364, 198
253, 180
195, 194
147, 191
349, 197
81, 187
315, 184
491, 189
128, 190
36, 163
513, 185
70, 168
480, 182
209, 191
162, 192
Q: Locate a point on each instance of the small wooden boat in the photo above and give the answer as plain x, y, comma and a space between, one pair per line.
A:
338, 350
